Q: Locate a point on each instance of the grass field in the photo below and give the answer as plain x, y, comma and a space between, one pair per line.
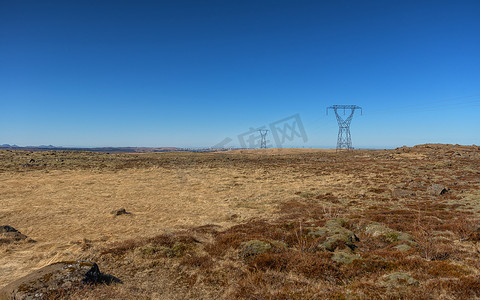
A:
256, 224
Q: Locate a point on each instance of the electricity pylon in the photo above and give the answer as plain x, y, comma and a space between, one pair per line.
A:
263, 141
344, 141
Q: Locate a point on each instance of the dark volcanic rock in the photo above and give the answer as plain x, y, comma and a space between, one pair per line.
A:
437, 189
6, 228
8, 234
55, 277
119, 212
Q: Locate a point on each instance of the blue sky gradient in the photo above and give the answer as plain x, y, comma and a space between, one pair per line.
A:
191, 73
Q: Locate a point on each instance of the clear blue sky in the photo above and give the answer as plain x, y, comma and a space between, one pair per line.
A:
191, 73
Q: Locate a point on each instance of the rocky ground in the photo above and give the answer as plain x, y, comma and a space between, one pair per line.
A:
275, 224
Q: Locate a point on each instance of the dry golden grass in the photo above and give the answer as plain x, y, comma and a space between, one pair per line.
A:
61, 208
64, 202
280, 151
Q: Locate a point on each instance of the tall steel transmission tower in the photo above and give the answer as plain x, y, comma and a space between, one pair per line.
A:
344, 141
263, 141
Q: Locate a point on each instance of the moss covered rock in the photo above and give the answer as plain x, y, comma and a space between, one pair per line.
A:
55, 277
377, 230
403, 247
344, 257
337, 236
253, 247
178, 249
399, 280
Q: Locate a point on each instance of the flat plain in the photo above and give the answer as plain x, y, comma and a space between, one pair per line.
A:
250, 224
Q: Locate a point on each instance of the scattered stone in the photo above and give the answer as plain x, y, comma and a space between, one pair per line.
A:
344, 257
399, 280
403, 247
8, 235
119, 212
55, 277
253, 247
402, 193
377, 230
6, 228
339, 222
339, 241
437, 189
337, 236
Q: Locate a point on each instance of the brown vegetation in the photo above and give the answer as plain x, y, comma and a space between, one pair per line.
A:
277, 224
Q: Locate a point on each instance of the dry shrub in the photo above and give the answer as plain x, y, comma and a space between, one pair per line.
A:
424, 237
298, 239
432, 248
271, 261
396, 219
329, 197
444, 269
299, 210
120, 248
367, 267
258, 284
311, 265
254, 285
464, 227
204, 262
208, 228
377, 190
369, 290
233, 237
444, 251
165, 240
467, 287
318, 267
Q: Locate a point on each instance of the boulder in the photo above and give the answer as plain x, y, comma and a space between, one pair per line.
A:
253, 247
9, 234
399, 280
54, 278
337, 236
377, 230
339, 241
437, 189
178, 249
338, 222
119, 212
344, 257
402, 247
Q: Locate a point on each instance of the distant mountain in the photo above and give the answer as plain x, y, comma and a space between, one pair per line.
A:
93, 149
109, 149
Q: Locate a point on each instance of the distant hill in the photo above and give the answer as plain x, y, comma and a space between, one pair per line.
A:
109, 149
95, 149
